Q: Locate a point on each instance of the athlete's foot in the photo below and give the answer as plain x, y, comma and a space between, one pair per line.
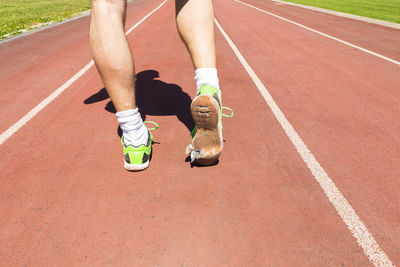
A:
207, 141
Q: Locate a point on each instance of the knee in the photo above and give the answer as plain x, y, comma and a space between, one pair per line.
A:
109, 5
108, 2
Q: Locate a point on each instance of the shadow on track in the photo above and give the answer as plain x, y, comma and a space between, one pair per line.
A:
154, 97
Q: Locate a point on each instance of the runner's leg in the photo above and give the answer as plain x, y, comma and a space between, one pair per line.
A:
111, 52
113, 58
195, 22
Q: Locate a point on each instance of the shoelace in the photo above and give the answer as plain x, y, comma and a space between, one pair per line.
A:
154, 128
225, 115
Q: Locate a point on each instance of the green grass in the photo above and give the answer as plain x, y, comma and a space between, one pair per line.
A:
16, 15
388, 10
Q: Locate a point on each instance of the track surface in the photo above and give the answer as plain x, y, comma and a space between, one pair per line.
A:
65, 198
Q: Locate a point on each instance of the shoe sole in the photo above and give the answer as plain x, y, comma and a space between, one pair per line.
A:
136, 167
208, 141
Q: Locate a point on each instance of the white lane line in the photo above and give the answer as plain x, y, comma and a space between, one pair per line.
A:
342, 206
83, 14
344, 15
324, 34
33, 112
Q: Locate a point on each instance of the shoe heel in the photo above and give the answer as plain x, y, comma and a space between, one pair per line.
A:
208, 140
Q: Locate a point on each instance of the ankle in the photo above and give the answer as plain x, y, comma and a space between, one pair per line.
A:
134, 131
206, 76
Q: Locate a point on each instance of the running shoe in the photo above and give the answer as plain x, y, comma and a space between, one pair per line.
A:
207, 141
137, 158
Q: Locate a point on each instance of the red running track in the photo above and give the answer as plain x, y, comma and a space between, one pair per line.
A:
66, 199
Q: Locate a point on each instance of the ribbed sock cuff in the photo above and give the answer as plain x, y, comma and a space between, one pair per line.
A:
132, 126
206, 76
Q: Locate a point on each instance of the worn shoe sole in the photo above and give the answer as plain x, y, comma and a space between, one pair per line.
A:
136, 167
207, 145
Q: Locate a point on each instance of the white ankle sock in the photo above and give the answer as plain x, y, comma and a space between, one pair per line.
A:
206, 76
131, 123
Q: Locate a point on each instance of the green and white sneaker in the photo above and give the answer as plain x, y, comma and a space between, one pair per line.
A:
138, 158
207, 141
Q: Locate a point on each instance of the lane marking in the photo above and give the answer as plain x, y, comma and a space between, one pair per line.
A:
82, 14
323, 34
33, 112
342, 206
29, 32
344, 15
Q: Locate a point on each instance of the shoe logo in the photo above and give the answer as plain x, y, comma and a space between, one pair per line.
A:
145, 157
127, 158
215, 95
